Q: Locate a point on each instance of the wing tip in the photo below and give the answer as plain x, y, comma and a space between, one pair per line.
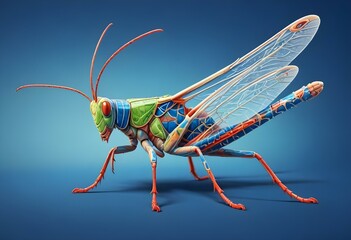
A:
303, 22
286, 72
294, 68
289, 68
312, 17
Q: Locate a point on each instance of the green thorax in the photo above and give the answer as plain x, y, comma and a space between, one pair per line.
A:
142, 110
156, 128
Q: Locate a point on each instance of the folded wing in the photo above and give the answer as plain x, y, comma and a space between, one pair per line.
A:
232, 105
243, 88
278, 51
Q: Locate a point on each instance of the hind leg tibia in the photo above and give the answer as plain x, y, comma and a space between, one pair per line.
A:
251, 154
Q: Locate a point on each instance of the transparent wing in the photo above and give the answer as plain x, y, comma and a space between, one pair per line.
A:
273, 54
236, 102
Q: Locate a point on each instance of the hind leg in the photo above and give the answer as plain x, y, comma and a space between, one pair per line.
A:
251, 154
195, 151
193, 171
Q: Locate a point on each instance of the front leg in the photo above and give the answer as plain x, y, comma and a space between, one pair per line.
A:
109, 158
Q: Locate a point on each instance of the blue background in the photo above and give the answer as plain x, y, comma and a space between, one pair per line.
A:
49, 143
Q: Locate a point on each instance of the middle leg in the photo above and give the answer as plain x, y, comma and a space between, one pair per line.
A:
153, 160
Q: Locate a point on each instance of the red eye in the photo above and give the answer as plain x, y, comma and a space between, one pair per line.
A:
106, 108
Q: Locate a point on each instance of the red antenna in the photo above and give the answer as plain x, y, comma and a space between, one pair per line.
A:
93, 60
115, 54
94, 92
54, 86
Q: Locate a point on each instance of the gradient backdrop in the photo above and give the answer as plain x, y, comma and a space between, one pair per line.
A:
49, 143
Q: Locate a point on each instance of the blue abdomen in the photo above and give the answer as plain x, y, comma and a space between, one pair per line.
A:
172, 114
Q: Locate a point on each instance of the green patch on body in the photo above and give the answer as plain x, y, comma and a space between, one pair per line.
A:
142, 110
157, 130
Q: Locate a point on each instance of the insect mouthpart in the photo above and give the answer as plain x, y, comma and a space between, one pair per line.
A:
105, 135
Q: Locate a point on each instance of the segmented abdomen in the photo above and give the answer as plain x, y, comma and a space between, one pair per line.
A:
172, 114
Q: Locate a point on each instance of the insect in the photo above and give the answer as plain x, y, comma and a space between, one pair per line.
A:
202, 119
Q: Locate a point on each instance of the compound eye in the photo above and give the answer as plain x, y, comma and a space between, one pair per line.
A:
106, 108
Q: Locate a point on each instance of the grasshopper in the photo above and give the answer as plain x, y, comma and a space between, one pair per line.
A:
202, 119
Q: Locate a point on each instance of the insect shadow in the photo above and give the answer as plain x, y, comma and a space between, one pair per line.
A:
204, 187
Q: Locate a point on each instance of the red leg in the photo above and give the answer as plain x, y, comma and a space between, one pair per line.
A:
147, 145
281, 185
193, 172
191, 149
154, 205
110, 157
221, 193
